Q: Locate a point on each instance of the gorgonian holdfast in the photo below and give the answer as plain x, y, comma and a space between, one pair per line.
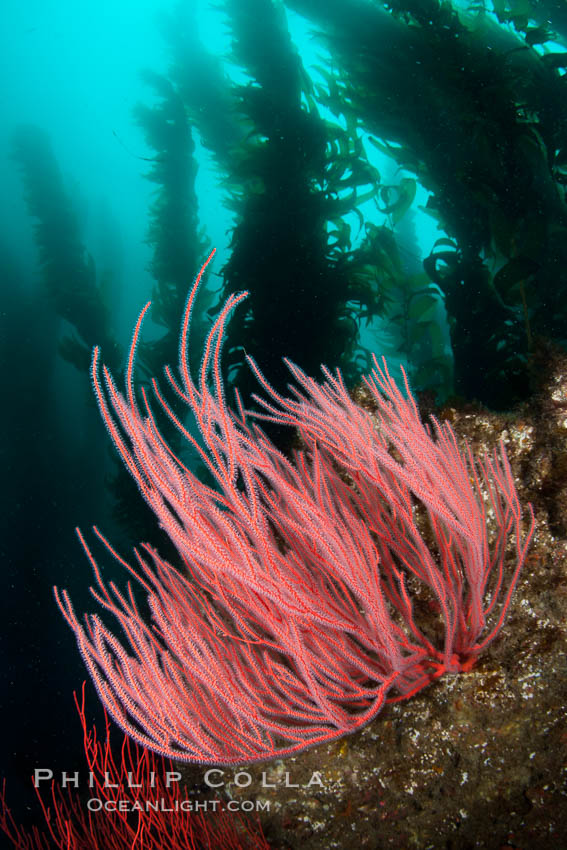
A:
297, 607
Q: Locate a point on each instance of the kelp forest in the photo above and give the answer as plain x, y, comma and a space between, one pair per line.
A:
466, 103
394, 175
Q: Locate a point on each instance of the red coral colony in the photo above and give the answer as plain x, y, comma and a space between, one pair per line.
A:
297, 607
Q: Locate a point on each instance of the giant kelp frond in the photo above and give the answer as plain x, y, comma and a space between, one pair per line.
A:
68, 270
174, 230
202, 83
291, 182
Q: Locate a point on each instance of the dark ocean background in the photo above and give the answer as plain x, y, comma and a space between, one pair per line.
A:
398, 186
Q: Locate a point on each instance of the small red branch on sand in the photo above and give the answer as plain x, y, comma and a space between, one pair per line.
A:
296, 609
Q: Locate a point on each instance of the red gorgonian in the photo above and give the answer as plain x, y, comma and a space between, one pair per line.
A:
308, 591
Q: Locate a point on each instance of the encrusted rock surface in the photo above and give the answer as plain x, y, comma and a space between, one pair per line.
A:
477, 760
